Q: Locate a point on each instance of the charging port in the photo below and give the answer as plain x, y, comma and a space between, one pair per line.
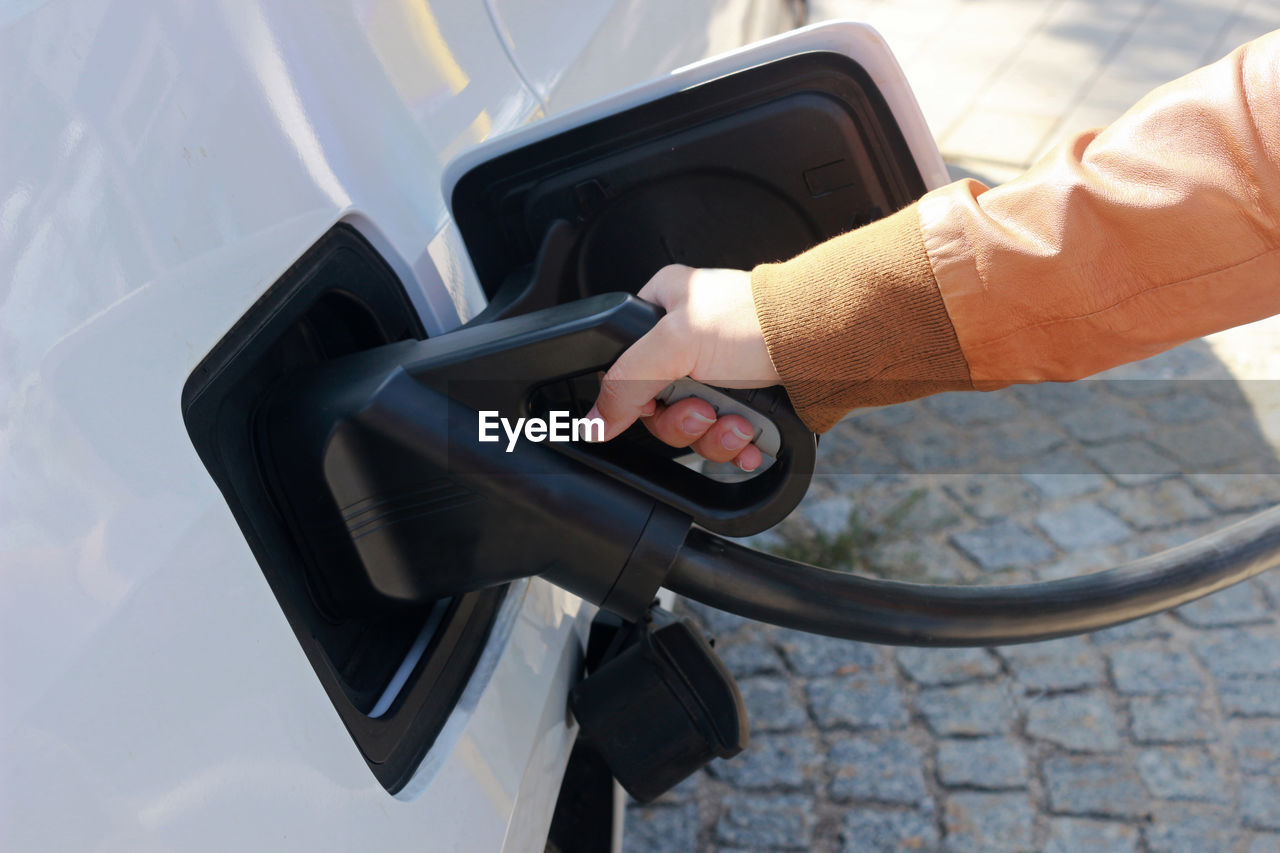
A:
393, 673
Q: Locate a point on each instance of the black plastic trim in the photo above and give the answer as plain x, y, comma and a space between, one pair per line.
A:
339, 298
751, 167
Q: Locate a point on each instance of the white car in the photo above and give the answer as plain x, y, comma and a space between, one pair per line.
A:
198, 198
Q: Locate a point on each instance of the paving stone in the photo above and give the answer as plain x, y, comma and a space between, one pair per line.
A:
750, 657
857, 701
1064, 664
1082, 525
847, 451
1251, 697
1107, 420
1206, 446
830, 515
1152, 669
1172, 718
886, 418
1025, 438
1182, 409
1266, 843
987, 823
1236, 492
1260, 802
1269, 584
1139, 629
866, 831
970, 709
1002, 545
1182, 774
1074, 835
993, 497
966, 408
1151, 542
761, 821
1258, 747
718, 623
1162, 504
993, 763
1132, 463
662, 829
940, 450
771, 761
1083, 722
1178, 829
1228, 392
686, 790
1235, 653
1059, 398
933, 667
811, 654
770, 705
883, 769
1235, 605
1141, 388
1077, 563
1057, 486
1193, 365
908, 505
1063, 473
922, 560
1087, 785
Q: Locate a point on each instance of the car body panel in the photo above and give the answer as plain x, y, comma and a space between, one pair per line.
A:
598, 48
172, 161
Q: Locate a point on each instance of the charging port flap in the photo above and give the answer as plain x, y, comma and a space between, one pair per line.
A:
751, 157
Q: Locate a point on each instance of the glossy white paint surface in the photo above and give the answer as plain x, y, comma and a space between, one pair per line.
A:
161, 165
574, 51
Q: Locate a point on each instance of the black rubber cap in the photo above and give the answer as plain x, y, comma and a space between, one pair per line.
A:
661, 710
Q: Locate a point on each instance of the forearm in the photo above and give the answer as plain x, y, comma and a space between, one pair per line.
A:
1117, 245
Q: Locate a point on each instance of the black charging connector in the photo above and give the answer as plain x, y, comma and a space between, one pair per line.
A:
376, 462
403, 504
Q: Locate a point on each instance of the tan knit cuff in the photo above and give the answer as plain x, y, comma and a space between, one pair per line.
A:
858, 321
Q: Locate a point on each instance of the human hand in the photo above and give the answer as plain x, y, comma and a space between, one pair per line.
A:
710, 333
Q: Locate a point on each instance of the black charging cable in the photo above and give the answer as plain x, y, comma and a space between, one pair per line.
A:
760, 586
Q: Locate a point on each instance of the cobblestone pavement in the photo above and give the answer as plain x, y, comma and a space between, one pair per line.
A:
1159, 735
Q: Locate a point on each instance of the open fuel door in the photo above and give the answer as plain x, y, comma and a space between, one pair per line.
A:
750, 157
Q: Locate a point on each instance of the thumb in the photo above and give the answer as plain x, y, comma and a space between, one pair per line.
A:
649, 365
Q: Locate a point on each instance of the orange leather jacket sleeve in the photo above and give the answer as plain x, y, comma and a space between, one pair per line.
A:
1117, 245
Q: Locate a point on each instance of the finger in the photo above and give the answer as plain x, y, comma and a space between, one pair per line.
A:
648, 410
666, 285
649, 365
750, 458
724, 441
682, 423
